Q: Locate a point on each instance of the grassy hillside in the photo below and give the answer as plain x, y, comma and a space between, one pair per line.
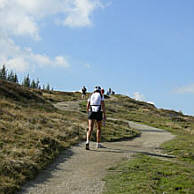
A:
175, 122
33, 131
151, 175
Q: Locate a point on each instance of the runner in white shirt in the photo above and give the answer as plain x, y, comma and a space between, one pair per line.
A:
96, 112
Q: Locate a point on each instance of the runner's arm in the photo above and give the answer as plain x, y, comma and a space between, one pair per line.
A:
88, 106
103, 109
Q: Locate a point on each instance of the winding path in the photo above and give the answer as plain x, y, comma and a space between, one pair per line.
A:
77, 171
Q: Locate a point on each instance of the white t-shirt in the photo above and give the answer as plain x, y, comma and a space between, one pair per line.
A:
95, 101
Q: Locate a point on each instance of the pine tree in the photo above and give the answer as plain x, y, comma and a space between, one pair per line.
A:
11, 76
33, 84
15, 78
48, 87
37, 84
3, 73
26, 81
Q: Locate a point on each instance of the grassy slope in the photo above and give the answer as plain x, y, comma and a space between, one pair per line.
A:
147, 175
33, 131
150, 175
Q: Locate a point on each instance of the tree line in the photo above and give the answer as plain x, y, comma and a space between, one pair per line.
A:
7, 75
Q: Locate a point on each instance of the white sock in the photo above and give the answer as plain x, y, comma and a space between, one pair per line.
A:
87, 142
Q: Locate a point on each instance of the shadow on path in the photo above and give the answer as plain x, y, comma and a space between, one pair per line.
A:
151, 130
116, 150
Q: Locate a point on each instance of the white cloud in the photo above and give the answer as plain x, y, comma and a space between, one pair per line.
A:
22, 60
79, 13
185, 89
2, 3
12, 56
18, 64
61, 62
44, 60
23, 17
15, 20
138, 96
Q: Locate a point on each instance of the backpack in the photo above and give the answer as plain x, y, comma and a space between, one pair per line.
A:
99, 106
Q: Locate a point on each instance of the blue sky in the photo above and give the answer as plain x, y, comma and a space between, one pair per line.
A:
141, 48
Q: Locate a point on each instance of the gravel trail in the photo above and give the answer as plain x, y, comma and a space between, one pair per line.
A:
77, 171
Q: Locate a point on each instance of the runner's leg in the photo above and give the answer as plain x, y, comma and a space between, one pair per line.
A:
98, 132
89, 132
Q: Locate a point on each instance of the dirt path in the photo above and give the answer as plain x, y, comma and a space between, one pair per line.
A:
78, 171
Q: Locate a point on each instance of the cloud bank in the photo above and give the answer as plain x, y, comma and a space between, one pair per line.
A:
23, 18
22, 60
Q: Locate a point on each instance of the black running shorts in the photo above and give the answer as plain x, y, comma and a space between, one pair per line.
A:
95, 116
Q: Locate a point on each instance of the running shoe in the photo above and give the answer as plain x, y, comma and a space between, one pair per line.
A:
87, 146
98, 145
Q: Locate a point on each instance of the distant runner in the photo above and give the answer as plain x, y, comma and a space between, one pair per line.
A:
84, 92
96, 112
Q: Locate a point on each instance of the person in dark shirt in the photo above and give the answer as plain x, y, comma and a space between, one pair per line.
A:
84, 90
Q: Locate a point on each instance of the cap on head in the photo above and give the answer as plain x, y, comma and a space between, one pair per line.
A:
97, 89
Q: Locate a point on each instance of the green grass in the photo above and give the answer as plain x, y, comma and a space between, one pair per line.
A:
57, 96
149, 175
33, 132
114, 130
118, 130
182, 147
144, 174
